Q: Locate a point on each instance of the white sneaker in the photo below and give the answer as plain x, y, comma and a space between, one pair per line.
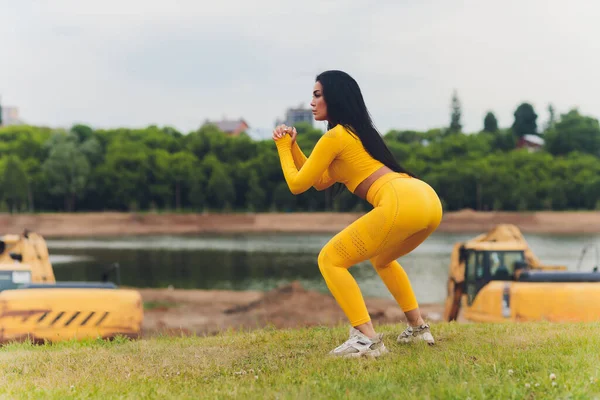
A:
412, 334
359, 345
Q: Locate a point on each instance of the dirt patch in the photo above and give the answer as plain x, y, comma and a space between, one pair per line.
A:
577, 222
118, 224
290, 306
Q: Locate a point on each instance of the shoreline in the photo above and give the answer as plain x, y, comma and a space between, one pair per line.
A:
97, 224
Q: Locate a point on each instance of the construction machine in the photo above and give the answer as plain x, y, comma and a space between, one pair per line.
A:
35, 307
496, 277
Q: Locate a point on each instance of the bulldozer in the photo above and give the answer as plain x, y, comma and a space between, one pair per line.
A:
495, 277
35, 307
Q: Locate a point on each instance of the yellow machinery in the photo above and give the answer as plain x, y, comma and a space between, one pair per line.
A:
33, 306
496, 277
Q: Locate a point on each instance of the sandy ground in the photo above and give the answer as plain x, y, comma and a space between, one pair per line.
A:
291, 306
114, 224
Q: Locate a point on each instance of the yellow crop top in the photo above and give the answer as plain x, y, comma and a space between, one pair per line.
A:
338, 156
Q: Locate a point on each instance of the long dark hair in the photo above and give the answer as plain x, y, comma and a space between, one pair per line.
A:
346, 107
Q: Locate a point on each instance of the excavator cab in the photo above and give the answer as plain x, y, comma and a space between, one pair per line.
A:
14, 273
501, 254
14, 276
483, 266
24, 259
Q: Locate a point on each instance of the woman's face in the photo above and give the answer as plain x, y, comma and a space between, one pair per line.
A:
319, 108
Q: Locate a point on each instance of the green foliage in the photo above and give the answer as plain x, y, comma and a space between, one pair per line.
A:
551, 117
490, 123
283, 200
66, 169
197, 194
181, 166
220, 191
14, 184
256, 196
92, 150
141, 169
455, 125
407, 137
525, 120
574, 132
83, 132
504, 140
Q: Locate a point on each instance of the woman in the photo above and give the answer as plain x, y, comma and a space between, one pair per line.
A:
405, 211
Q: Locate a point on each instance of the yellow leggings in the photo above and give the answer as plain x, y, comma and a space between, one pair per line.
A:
406, 211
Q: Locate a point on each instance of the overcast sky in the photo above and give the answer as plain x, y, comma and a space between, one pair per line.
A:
110, 63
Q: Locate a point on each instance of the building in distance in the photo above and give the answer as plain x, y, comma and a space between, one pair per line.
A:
293, 116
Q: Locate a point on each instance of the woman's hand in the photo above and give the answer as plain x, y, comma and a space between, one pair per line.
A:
293, 134
282, 130
278, 132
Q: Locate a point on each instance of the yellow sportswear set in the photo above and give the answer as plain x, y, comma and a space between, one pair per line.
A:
405, 212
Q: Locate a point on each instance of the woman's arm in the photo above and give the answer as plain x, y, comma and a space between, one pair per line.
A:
299, 159
325, 151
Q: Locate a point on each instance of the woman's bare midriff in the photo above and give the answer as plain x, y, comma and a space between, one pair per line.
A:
363, 188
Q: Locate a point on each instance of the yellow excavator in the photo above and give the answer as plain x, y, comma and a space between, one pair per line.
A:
495, 277
34, 307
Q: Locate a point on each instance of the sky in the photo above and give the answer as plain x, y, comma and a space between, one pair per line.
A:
134, 63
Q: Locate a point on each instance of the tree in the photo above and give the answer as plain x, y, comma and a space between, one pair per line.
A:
455, 125
181, 165
283, 199
33, 171
255, 197
207, 139
83, 132
66, 170
158, 167
504, 140
574, 132
490, 124
15, 184
92, 150
407, 137
197, 193
525, 120
159, 178
220, 190
124, 175
551, 118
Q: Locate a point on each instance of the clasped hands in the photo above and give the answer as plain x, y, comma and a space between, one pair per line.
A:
282, 130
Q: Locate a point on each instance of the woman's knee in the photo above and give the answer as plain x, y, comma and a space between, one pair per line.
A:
323, 261
321, 258
329, 259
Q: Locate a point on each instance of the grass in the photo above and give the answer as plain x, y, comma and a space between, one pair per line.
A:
476, 361
159, 304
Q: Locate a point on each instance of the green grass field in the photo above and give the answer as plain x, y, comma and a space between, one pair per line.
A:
504, 361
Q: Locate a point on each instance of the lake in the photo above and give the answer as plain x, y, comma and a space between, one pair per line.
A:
265, 261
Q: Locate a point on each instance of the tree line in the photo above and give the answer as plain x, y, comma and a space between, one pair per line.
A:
159, 168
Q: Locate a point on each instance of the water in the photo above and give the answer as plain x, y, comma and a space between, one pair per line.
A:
265, 261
